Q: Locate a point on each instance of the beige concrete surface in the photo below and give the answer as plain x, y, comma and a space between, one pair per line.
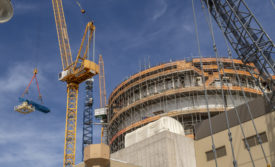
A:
264, 123
113, 163
165, 149
97, 154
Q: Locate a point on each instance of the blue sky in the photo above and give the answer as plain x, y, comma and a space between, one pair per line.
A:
128, 32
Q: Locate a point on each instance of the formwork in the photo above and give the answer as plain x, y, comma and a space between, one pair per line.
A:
176, 89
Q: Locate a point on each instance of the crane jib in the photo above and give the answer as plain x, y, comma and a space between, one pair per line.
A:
62, 34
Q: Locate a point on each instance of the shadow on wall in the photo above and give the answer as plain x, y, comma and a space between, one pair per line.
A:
270, 121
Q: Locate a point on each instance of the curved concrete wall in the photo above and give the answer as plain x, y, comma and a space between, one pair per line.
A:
176, 89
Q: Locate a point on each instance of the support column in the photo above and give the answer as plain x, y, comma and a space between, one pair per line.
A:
71, 122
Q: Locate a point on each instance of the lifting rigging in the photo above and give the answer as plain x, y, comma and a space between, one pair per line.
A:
29, 106
73, 74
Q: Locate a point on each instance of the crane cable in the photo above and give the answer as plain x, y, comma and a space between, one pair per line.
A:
94, 45
35, 71
246, 101
250, 113
36, 60
272, 4
79, 5
27, 88
83, 11
221, 85
204, 87
229, 91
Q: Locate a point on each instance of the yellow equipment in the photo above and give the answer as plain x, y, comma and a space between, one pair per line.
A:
24, 108
102, 87
73, 73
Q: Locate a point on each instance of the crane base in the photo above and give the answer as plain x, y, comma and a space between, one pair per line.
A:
97, 155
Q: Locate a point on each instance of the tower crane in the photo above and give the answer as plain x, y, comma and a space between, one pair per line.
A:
74, 73
88, 110
87, 136
247, 38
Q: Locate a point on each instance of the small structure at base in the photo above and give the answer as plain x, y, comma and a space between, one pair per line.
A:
97, 155
113, 163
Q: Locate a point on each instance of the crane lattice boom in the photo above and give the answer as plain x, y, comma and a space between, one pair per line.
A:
87, 137
102, 91
70, 127
102, 88
63, 39
246, 36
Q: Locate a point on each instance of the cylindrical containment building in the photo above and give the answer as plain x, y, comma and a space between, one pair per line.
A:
176, 89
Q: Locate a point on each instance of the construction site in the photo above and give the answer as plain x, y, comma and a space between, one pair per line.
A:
175, 89
197, 111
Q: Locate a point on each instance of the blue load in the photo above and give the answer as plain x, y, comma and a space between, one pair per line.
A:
37, 106
28, 106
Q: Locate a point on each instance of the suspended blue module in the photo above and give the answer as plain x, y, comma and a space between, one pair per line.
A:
37, 106
28, 106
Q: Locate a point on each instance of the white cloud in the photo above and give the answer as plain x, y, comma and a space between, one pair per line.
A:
22, 7
16, 78
19, 75
161, 10
30, 146
14, 81
188, 28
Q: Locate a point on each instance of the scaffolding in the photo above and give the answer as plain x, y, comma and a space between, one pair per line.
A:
175, 89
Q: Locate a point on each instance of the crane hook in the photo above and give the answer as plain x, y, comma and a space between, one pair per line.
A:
79, 5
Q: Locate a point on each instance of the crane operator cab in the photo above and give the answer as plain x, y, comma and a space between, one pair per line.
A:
28, 106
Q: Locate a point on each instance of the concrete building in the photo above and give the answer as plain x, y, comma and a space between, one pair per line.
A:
159, 146
167, 149
113, 163
176, 89
264, 118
